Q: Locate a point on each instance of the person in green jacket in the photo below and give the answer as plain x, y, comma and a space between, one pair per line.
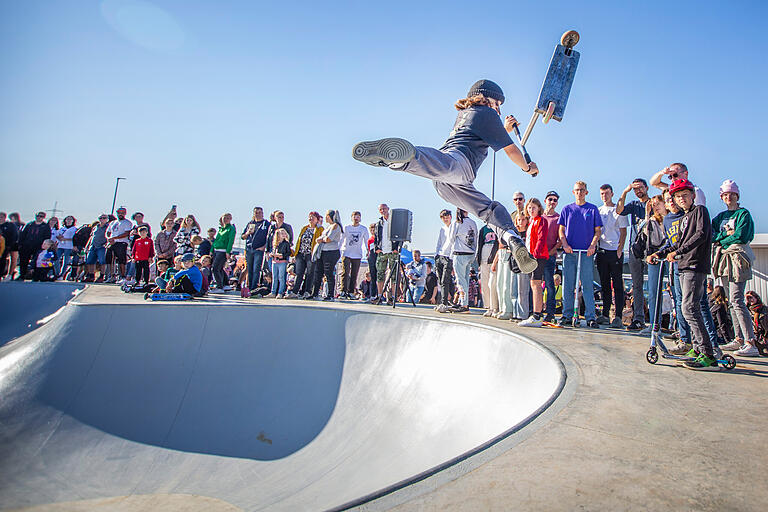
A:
222, 246
735, 226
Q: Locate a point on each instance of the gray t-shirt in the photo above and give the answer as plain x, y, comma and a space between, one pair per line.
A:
476, 129
99, 237
334, 233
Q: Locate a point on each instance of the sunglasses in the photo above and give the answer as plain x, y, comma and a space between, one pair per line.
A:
519, 199
552, 199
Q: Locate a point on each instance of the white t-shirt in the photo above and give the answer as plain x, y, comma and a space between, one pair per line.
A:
119, 227
355, 238
701, 199
65, 233
612, 222
386, 241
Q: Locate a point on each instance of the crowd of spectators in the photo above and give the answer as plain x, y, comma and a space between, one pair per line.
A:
666, 236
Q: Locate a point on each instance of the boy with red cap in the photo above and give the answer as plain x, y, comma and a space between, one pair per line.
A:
692, 253
453, 167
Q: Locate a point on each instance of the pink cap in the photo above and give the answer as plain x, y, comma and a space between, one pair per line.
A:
729, 186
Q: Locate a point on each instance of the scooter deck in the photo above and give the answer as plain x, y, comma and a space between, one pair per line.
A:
167, 296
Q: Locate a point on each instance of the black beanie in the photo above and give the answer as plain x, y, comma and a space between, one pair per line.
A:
486, 88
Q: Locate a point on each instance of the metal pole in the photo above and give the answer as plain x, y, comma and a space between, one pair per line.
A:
493, 179
114, 198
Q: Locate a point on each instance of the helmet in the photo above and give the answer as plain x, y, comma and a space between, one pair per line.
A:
679, 185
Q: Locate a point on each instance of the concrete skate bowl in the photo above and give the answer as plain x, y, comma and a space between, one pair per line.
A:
23, 305
264, 408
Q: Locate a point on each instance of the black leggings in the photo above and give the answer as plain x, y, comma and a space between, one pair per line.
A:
219, 260
142, 269
329, 260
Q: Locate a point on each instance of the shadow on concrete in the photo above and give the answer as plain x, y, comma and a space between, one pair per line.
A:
24, 303
204, 380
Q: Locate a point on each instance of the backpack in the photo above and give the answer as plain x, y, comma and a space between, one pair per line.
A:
81, 236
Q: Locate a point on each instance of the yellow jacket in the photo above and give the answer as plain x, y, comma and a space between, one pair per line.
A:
318, 232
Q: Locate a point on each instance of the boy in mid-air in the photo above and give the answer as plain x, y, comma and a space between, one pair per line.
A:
453, 167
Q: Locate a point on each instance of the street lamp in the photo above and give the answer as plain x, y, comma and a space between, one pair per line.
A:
114, 198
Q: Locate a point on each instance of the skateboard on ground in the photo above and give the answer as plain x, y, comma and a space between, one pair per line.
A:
167, 296
556, 88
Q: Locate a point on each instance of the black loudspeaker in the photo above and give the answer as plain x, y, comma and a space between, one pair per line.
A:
401, 225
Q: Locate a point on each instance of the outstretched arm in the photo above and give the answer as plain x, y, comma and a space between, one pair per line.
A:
514, 153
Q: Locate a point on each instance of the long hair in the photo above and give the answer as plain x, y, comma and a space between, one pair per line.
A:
536, 203
477, 99
194, 222
74, 221
55, 221
280, 235
758, 300
461, 215
658, 218
221, 219
335, 218
718, 296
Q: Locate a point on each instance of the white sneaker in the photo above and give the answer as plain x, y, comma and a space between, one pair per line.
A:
489, 313
280, 296
734, 345
291, 295
270, 296
747, 351
442, 308
531, 322
646, 331
504, 316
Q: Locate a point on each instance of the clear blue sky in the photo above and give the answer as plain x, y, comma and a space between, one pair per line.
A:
220, 106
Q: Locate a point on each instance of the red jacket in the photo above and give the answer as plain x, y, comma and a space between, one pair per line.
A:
536, 241
143, 249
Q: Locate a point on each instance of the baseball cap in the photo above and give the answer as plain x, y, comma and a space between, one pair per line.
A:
188, 257
443, 213
552, 193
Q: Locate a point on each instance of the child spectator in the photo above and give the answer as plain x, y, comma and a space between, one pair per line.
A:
718, 305
164, 274
366, 287
205, 263
189, 280
692, 251
165, 247
536, 242
205, 247
222, 247
281, 253
760, 320
143, 250
44, 262
521, 282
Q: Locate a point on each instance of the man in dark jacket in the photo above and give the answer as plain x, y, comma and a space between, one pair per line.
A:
10, 233
31, 241
692, 252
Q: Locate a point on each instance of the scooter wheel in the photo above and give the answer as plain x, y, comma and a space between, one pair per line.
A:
569, 39
652, 356
730, 362
549, 113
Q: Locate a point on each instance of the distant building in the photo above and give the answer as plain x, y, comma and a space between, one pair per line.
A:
759, 282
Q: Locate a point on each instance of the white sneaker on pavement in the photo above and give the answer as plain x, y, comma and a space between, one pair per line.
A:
504, 316
734, 345
747, 351
531, 321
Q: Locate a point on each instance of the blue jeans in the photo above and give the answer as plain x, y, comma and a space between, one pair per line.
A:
279, 277
253, 262
62, 261
570, 264
416, 292
682, 323
549, 283
654, 274
461, 264
709, 322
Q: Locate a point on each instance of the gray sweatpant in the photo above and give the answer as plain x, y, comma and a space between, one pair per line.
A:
452, 176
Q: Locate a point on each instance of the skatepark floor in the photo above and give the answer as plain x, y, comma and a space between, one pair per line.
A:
622, 434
